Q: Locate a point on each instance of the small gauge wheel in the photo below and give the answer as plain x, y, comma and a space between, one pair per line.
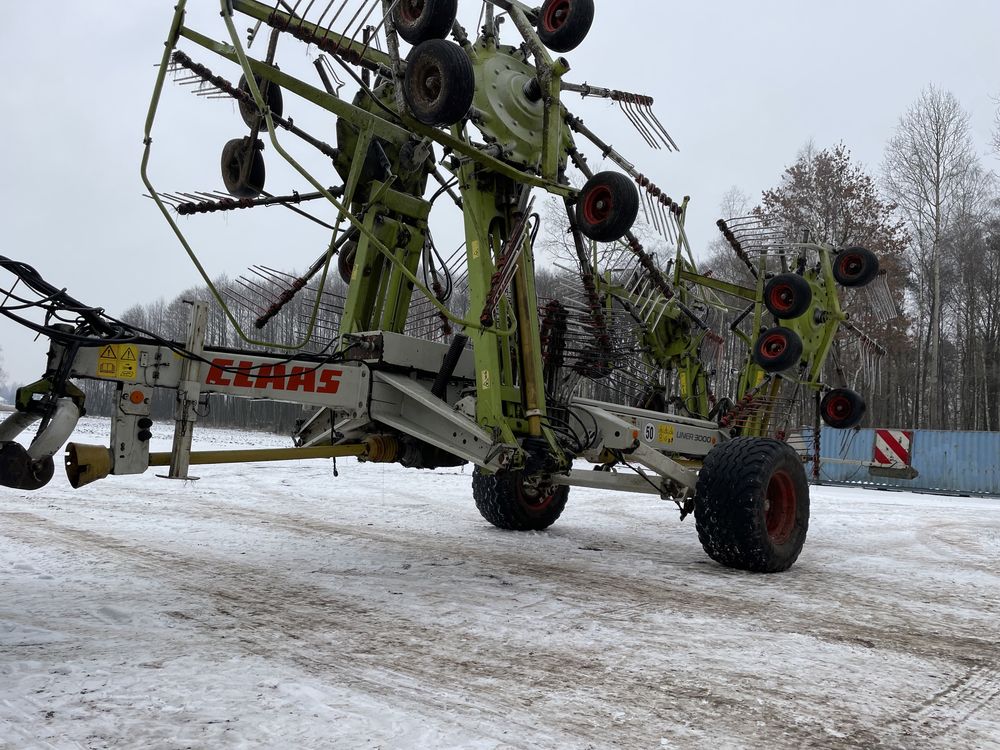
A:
272, 97
855, 267
787, 296
607, 207
777, 349
564, 24
842, 408
440, 83
243, 168
419, 20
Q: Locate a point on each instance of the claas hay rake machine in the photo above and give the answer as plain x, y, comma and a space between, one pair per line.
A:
664, 380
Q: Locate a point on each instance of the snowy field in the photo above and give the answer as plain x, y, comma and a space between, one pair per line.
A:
276, 606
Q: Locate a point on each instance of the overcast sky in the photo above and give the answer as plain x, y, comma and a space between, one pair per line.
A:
741, 86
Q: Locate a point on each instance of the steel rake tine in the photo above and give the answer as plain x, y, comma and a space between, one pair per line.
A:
361, 25
379, 27
628, 108
305, 13
638, 107
652, 211
275, 277
659, 126
668, 220
641, 109
246, 301
326, 10
623, 106
645, 212
293, 12
673, 228
350, 23
333, 20
258, 288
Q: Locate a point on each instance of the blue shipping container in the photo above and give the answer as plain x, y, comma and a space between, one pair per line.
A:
963, 463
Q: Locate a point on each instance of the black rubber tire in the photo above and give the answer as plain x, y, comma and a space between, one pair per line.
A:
417, 21
345, 260
787, 296
501, 500
843, 408
777, 349
440, 83
752, 505
564, 24
273, 98
855, 266
234, 154
608, 207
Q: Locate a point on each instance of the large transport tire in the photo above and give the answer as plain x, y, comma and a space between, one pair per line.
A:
787, 296
440, 82
855, 266
752, 505
608, 207
842, 408
503, 501
777, 349
419, 20
564, 24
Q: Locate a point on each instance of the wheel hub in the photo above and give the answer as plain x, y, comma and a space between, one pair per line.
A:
598, 205
780, 507
556, 16
411, 10
774, 346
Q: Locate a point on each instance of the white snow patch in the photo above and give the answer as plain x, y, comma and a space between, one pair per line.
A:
275, 605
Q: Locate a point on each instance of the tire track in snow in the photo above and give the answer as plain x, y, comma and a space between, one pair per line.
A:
408, 656
433, 669
596, 579
947, 711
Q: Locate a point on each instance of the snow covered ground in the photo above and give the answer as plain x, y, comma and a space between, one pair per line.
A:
278, 606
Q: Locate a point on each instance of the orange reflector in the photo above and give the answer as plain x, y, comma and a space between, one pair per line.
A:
137, 397
635, 434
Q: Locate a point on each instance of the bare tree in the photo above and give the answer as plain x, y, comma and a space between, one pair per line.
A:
720, 260
930, 170
996, 132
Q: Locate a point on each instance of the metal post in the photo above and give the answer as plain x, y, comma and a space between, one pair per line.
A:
188, 393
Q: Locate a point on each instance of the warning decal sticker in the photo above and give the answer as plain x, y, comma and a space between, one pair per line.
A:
118, 362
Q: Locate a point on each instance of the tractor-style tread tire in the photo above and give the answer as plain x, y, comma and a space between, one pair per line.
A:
608, 207
564, 24
417, 21
501, 502
440, 83
732, 514
787, 296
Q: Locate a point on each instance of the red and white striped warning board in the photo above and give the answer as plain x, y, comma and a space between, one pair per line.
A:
892, 448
